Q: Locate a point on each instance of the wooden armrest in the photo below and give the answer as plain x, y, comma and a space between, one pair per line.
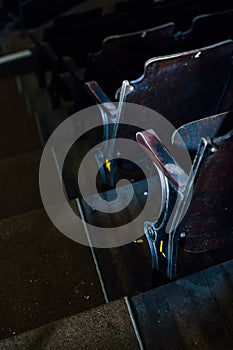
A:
100, 97
73, 68
44, 47
160, 155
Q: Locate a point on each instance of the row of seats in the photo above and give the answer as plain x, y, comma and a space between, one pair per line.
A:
24, 14
95, 54
188, 79
123, 56
182, 72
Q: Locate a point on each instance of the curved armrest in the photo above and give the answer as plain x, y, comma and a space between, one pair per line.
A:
75, 71
44, 48
161, 156
100, 97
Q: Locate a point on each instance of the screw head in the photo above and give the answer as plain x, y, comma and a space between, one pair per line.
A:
213, 149
151, 232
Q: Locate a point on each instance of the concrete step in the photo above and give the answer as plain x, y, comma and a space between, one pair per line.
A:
19, 184
194, 312
45, 276
12, 104
107, 327
18, 129
18, 136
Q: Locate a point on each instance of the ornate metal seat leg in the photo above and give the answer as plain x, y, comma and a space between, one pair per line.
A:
111, 116
163, 234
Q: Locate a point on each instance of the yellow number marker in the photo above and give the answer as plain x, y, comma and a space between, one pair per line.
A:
161, 249
108, 165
